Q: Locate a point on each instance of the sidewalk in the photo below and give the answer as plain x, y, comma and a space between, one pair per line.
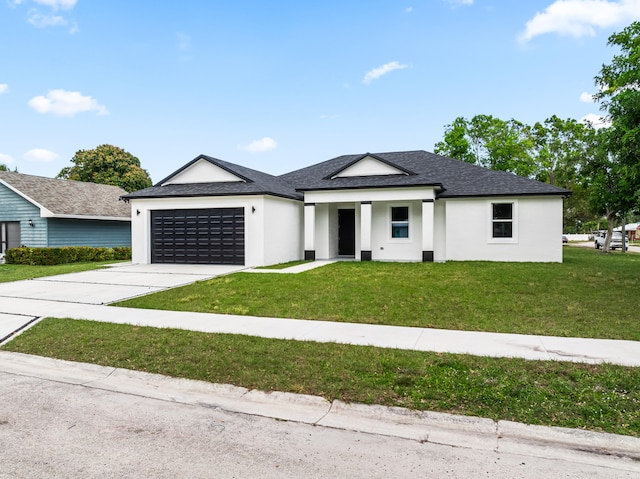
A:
583, 350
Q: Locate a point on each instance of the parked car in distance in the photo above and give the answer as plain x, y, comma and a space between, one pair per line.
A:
565, 239
616, 240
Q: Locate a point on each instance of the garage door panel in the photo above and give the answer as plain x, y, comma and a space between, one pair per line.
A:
202, 236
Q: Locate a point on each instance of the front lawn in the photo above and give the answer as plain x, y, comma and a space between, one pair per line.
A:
589, 295
17, 272
595, 397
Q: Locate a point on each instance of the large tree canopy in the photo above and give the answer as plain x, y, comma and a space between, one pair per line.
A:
619, 84
108, 165
490, 142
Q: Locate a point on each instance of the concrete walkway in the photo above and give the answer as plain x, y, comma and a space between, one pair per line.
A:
418, 339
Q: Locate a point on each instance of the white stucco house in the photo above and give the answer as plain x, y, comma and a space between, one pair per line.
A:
399, 206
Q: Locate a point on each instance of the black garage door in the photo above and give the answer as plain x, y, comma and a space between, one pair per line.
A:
198, 236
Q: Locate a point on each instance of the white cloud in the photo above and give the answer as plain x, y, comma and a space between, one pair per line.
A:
58, 4
578, 18
258, 146
586, 97
4, 88
383, 70
596, 120
40, 155
46, 13
457, 3
408, 10
39, 20
6, 159
66, 103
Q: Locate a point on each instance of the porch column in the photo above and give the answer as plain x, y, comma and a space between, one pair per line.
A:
427, 230
309, 231
365, 231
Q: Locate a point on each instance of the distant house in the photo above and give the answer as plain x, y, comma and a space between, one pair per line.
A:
47, 212
632, 231
400, 206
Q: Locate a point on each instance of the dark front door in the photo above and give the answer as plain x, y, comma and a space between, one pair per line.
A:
346, 232
198, 236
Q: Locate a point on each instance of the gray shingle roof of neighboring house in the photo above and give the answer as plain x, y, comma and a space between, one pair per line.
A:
454, 178
255, 183
67, 198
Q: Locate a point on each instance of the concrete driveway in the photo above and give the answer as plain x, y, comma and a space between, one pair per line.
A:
103, 286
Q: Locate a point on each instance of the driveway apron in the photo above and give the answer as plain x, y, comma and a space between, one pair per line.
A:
103, 286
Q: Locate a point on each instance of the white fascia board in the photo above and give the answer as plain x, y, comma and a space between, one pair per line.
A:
371, 194
85, 217
44, 212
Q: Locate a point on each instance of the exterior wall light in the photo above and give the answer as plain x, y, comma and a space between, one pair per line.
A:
31, 223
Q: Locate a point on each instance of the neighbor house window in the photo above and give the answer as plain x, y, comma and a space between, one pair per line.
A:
502, 219
399, 221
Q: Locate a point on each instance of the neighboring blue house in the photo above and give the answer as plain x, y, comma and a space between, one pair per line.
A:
48, 212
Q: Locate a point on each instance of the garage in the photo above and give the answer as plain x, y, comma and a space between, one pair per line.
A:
198, 236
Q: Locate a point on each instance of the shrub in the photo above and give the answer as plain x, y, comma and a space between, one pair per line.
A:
65, 254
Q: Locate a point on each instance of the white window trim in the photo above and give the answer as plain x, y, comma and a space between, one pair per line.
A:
391, 239
514, 222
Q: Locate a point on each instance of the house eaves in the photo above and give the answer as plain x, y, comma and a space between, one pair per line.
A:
44, 212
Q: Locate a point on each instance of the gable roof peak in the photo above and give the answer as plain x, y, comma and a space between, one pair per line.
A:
369, 164
206, 169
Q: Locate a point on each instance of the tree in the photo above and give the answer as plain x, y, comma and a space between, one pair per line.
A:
490, 142
552, 152
608, 182
108, 165
559, 148
619, 85
4, 167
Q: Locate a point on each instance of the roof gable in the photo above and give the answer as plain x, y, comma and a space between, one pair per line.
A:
58, 198
369, 165
223, 179
202, 170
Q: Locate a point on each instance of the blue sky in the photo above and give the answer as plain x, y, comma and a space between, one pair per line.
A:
277, 86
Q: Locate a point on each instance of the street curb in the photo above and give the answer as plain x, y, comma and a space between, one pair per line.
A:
476, 433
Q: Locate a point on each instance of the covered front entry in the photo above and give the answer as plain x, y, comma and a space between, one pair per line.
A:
198, 236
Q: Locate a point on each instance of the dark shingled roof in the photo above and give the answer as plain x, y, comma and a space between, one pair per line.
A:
70, 198
257, 183
451, 178
454, 178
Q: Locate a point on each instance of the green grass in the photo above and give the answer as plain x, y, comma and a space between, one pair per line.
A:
17, 272
594, 397
284, 265
589, 295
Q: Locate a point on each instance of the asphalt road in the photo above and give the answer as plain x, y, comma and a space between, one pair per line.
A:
52, 429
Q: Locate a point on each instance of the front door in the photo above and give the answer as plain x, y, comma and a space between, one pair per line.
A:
346, 232
9, 235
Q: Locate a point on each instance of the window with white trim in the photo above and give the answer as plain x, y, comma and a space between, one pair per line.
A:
400, 222
502, 220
